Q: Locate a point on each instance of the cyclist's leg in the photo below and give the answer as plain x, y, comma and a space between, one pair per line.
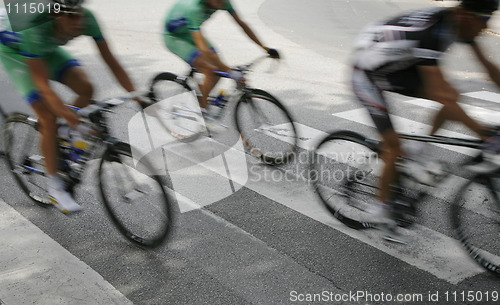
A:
185, 48
409, 82
207, 64
372, 98
48, 129
451, 111
56, 188
68, 71
20, 76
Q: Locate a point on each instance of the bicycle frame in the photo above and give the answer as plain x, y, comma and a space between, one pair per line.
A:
444, 140
99, 122
405, 182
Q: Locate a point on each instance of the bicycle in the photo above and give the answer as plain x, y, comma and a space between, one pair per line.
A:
347, 194
135, 199
260, 118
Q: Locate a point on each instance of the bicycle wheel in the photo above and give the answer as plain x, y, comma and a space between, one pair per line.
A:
135, 200
176, 107
475, 217
25, 161
345, 172
22, 152
266, 127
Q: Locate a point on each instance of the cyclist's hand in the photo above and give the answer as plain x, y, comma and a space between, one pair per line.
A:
238, 77
273, 53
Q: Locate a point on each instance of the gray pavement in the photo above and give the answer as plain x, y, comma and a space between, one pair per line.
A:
35, 269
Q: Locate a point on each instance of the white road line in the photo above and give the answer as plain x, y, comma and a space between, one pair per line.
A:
35, 269
480, 114
485, 95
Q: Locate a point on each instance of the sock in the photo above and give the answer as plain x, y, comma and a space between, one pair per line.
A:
54, 182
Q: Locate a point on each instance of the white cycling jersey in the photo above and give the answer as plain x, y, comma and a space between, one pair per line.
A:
416, 38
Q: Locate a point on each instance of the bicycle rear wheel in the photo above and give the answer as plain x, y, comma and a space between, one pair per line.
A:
345, 173
135, 200
476, 219
176, 107
266, 127
25, 161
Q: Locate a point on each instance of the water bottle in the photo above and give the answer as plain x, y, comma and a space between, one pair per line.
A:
63, 132
78, 141
217, 104
74, 137
220, 100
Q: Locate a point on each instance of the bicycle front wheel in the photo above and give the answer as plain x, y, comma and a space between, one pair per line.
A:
24, 159
476, 219
176, 107
135, 199
345, 171
266, 127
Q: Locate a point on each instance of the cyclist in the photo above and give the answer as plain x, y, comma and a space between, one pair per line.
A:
184, 38
33, 56
402, 55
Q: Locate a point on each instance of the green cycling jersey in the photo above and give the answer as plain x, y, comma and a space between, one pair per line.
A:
189, 15
185, 17
40, 41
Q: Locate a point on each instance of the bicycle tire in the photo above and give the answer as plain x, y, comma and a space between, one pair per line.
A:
339, 160
147, 222
261, 119
475, 216
348, 196
24, 159
164, 88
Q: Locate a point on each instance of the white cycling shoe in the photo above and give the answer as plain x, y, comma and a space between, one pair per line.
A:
382, 216
63, 201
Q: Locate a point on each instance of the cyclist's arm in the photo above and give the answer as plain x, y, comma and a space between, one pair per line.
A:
492, 69
40, 74
202, 45
248, 31
115, 66
436, 88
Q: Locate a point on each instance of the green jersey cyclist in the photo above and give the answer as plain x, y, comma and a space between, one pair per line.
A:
33, 56
183, 36
402, 55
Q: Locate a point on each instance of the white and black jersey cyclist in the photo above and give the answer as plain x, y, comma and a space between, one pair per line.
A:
387, 57
403, 55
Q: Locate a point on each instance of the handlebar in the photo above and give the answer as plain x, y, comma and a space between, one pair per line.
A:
243, 68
